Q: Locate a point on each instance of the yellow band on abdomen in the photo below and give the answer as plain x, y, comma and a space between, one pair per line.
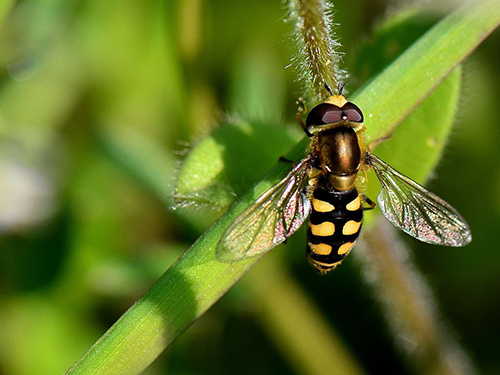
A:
324, 229
351, 227
322, 206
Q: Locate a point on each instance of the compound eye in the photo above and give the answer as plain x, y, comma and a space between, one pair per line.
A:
324, 113
352, 112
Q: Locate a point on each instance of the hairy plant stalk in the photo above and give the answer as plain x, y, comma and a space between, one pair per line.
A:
317, 59
409, 305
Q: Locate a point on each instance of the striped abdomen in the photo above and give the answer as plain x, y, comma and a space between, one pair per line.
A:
334, 225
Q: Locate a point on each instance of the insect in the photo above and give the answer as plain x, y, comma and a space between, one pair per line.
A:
324, 187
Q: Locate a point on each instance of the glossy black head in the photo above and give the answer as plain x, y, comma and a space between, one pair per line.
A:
327, 113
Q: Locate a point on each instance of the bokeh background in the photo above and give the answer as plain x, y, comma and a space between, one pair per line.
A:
100, 101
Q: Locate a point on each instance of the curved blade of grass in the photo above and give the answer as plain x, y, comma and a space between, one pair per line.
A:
197, 280
388, 99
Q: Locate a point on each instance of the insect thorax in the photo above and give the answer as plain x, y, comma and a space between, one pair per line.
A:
338, 156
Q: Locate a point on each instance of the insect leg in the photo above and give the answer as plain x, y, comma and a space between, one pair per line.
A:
302, 106
374, 144
283, 159
302, 111
371, 204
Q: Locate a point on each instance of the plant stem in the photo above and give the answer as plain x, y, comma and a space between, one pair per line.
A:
317, 59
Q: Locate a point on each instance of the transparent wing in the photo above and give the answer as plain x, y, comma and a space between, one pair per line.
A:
417, 211
270, 220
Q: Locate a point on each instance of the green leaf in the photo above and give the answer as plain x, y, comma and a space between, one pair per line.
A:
230, 160
197, 280
388, 99
417, 143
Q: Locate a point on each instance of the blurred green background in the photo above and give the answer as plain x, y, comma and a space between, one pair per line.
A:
100, 101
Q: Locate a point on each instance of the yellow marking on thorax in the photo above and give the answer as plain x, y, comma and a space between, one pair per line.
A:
324, 229
338, 100
314, 172
354, 205
321, 249
345, 248
351, 227
322, 206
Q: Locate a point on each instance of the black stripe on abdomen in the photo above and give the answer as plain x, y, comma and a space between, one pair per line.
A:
334, 226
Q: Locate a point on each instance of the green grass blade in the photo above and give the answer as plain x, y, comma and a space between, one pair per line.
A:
198, 280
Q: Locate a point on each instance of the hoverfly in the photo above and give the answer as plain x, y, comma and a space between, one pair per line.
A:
323, 187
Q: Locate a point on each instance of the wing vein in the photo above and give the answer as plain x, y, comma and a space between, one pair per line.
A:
415, 210
270, 220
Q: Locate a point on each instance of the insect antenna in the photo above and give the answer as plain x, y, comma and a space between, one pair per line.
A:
327, 87
340, 87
